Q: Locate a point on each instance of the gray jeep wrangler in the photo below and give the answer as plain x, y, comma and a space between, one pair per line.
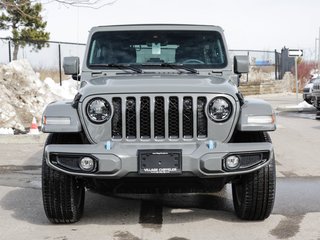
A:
158, 111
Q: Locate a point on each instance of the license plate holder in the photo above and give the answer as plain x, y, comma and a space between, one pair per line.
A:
158, 162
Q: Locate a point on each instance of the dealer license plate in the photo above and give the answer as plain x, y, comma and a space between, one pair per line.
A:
164, 161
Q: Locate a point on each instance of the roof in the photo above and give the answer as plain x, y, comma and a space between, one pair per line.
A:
158, 27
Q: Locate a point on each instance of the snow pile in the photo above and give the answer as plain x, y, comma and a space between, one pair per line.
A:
301, 107
7, 131
23, 95
67, 91
304, 104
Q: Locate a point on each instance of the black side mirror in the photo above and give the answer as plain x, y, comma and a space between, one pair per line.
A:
71, 66
241, 64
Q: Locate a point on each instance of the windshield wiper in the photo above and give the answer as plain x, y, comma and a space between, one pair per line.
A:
178, 67
119, 66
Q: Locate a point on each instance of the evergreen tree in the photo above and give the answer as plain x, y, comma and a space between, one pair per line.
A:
23, 18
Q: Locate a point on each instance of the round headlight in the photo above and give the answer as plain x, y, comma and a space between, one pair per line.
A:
98, 110
220, 109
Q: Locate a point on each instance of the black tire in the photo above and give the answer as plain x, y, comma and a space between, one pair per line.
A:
62, 194
308, 101
254, 193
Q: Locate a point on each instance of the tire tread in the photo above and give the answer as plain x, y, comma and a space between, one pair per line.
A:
258, 188
63, 195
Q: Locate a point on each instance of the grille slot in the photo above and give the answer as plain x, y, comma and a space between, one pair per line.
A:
187, 117
145, 128
131, 118
173, 117
306, 90
117, 118
159, 117
159, 124
202, 124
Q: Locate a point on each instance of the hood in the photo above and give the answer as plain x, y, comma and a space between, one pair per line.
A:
158, 84
309, 85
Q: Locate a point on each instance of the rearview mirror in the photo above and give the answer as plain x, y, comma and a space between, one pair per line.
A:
241, 64
71, 65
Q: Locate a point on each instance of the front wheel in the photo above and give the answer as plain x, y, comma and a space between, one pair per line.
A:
62, 194
254, 193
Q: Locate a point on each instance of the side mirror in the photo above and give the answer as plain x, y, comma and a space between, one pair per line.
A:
71, 65
241, 64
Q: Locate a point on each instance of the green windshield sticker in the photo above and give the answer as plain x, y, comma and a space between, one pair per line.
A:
156, 48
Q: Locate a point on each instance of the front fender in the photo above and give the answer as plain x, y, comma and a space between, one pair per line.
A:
256, 115
60, 117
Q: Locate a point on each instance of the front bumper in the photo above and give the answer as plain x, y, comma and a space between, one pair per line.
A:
307, 96
117, 160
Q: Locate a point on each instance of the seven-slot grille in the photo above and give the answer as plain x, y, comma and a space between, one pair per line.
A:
159, 117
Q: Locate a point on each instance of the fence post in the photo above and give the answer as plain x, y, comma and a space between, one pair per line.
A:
275, 65
9, 47
60, 76
249, 65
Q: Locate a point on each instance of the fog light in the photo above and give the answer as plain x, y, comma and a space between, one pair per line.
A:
87, 164
232, 162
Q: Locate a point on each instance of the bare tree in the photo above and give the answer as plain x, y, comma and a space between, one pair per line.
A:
95, 4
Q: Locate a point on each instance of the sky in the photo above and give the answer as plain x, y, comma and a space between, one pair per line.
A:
248, 24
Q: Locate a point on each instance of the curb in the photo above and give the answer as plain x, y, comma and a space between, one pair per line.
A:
24, 138
295, 109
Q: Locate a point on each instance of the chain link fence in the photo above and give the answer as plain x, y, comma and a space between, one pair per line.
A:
263, 64
48, 60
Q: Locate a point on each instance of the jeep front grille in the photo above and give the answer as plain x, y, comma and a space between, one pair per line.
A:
159, 117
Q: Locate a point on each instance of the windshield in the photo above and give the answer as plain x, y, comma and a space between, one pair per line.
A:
198, 49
